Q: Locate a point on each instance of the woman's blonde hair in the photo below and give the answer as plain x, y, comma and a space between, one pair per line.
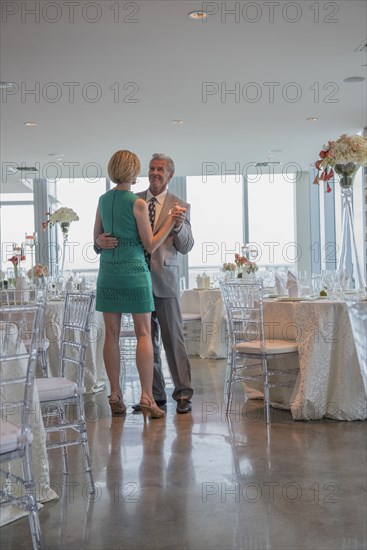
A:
124, 167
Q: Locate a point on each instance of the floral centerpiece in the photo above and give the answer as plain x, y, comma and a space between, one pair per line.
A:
229, 267
64, 216
38, 271
229, 270
347, 151
244, 265
15, 260
345, 156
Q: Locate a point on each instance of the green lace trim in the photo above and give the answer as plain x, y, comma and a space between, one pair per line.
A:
126, 294
124, 268
124, 241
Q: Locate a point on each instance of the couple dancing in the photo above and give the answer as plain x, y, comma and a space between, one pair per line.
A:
145, 284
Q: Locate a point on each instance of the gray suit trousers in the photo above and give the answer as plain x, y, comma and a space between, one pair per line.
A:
167, 316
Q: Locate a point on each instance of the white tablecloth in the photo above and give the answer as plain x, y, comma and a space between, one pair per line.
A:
10, 393
95, 376
209, 304
330, 382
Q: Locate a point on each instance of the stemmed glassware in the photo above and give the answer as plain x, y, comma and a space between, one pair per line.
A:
31, 241
305, 284
59, 286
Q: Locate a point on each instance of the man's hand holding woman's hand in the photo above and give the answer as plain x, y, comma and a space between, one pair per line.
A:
178, 213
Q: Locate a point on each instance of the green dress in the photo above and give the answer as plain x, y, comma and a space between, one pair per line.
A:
124, 284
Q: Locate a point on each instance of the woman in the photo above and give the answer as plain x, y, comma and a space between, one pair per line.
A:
124, 284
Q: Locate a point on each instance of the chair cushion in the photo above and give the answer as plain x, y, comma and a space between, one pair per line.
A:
9, 434
53, 388
273, 347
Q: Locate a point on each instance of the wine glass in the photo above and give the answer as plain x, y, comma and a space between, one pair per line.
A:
31, 241
59, 284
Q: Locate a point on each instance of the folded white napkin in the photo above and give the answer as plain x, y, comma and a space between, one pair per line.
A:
292, 285
22, 286
69, 287
281, 290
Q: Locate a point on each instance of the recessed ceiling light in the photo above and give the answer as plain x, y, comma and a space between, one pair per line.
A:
4, 85
266, 163
311, 119
198, 15
275, 150
56, 154
352, 79
177, 121
30, 124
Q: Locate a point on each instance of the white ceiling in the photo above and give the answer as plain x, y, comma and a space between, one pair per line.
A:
169, 57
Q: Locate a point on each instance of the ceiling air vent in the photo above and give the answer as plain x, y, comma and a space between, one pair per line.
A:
267, 163
27, 169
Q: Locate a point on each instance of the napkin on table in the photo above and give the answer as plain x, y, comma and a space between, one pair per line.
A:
22, 286
281, 290
292, 285
69, 285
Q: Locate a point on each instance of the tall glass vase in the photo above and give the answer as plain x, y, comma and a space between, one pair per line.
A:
65, 226
349, 265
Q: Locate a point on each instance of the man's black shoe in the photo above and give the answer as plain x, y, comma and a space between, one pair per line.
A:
183, 406
160, 403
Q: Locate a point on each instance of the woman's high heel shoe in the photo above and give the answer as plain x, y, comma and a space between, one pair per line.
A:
116, 403
149, 406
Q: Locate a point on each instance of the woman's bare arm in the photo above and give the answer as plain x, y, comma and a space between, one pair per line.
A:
98, 227
150, 242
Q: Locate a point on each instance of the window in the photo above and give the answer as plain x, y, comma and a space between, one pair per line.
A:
82, 196
15, 207
217, 222
271, 219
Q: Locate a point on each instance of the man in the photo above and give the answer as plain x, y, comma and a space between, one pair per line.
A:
164, 268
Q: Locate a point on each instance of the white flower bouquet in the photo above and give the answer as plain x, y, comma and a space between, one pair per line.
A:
62, 215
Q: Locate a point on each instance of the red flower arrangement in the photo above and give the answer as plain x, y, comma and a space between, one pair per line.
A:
15, 260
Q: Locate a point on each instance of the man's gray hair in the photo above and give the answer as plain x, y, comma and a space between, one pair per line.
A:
161, 156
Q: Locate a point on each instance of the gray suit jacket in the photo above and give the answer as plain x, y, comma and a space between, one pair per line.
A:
164, 263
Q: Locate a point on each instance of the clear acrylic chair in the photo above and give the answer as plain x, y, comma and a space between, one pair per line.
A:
248, 349
13, 297
191, 323
357, 311
20, 328
65, 393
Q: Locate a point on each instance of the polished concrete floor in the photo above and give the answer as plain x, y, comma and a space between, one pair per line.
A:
202, 482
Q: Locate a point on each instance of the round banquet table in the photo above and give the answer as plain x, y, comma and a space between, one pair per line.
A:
208, 303
329, 383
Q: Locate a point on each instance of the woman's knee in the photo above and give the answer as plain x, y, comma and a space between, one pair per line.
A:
142, 325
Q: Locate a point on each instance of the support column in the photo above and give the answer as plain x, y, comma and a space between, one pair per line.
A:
306, 224
177, 186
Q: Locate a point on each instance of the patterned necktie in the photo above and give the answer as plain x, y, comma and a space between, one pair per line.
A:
151, 210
